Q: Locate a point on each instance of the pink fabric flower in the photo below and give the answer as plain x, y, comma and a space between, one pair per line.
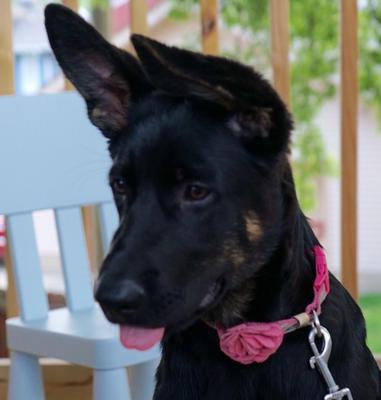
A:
251, 342
257, 341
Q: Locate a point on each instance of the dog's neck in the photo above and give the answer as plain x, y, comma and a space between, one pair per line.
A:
285, 285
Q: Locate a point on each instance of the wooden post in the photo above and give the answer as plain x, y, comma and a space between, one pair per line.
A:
73, 4
93, 237
7, 88
349, 98
209, 26
12, 308
279, 15
6, 50
139, 12
62, 381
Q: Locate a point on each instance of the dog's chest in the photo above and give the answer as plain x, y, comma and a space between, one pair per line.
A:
193, 367
195, 372
221, 383
262, 383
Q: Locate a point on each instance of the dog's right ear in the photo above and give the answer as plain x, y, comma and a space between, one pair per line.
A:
255, 112
108, 78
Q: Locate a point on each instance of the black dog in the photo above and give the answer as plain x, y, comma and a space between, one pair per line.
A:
211, 233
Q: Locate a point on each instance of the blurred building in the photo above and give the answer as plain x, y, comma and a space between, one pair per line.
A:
369, 194
35, 65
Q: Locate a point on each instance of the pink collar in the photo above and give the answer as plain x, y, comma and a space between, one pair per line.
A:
255, 342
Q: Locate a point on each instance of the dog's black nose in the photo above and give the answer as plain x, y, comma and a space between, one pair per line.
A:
124, 296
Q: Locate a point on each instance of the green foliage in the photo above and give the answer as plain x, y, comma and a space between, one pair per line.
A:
180, 9
370, 55
242, 13
371, 305
310, 160
314, 59
314, 52
91, 4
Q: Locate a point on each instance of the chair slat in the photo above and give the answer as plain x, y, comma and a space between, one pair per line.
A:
75, 263
31, 295
108, 217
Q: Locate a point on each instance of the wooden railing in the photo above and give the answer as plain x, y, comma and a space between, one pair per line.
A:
349, 95
279, 13
280, 37
209, 26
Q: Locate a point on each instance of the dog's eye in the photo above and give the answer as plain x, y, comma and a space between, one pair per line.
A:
119, 185
196, 193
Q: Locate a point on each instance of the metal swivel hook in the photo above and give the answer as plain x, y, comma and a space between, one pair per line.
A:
321, 358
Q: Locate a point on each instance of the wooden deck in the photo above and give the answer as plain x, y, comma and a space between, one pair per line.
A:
62, 381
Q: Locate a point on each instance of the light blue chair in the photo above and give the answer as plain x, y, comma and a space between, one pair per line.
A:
52, 157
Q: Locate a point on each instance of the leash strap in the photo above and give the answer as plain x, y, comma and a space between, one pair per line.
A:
255, 342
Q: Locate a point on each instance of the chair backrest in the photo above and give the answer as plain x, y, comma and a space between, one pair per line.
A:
51, 157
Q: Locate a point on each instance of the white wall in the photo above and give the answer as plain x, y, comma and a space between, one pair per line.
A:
369, 194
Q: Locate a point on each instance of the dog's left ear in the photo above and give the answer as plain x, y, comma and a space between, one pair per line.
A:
255, 112
108, 78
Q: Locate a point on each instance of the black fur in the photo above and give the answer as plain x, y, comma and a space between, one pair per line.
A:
207, 204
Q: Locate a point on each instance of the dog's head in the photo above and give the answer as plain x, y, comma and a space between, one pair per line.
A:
199, 147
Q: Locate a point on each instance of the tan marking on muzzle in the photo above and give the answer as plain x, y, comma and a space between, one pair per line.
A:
253, 226
233, 252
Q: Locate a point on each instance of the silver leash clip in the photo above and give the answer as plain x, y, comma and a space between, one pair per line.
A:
320, 359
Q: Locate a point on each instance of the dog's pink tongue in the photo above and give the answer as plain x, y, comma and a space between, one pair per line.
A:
140, 338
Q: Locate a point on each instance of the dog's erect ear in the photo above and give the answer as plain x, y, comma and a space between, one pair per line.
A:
107, 77
257, 114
